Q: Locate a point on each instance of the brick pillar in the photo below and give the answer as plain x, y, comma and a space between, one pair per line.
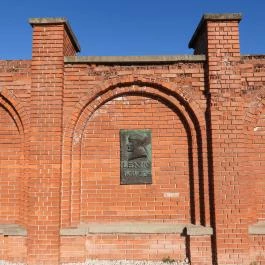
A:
52, 40
217, 36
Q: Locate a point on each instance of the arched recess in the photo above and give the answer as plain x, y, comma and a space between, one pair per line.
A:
255, 139
13, 143
171, 96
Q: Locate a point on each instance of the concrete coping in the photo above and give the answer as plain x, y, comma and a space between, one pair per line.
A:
253, 56
212, 17
58, 20
136, 228
199, 230
257, 229
134, 59
12, 230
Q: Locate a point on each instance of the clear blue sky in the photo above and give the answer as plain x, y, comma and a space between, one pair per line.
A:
128, 27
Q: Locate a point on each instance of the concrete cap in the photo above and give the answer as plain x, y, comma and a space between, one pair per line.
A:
136, 228
134, 59
199, 230
12, 230
38, 21
213, 17
124, 228
257, 229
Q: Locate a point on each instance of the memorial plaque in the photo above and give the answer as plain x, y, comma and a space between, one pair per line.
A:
136, 156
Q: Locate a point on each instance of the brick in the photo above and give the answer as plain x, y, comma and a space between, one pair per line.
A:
60, 117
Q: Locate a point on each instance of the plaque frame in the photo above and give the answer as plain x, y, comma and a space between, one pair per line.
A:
135, 157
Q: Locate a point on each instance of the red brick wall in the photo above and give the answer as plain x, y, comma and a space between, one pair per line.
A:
49, 47
13, 248
229, 211
84, 82
69, 49
59, 151
15, 88
257, 249
131, 247
88, 79
45, 155
201, 251
103, 198
252, 77
10, 168
259, 166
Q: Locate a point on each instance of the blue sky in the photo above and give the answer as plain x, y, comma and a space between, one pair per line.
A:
128, 27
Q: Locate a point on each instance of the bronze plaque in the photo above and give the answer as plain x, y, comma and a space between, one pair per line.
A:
136, 156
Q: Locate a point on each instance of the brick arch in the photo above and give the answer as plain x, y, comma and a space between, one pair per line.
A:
169, 88
17, 111
88, 105
7, 102
254, 110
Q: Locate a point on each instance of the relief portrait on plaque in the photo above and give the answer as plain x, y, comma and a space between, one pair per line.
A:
136, 156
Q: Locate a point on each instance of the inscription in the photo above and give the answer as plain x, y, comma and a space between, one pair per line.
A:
136, 156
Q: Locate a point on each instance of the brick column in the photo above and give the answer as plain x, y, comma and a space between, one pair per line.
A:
218, 37
52, 40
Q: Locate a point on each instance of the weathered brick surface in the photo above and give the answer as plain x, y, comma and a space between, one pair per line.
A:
13, 249
60, 150
200, 250
257, 249
132, 247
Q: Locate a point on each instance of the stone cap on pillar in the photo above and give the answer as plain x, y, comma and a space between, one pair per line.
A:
212, 17
54, 21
